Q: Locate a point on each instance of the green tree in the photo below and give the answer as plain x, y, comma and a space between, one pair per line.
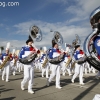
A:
2, 48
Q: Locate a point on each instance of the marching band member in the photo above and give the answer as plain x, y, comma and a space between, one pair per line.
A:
13, 62
78, 67
28, 68
41, 60
66, 67
45, 67
6, 69
19, 66
55, 68
36, 62
86, 67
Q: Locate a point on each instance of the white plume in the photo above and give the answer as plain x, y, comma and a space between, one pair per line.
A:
13, 51
44, 49
8, 46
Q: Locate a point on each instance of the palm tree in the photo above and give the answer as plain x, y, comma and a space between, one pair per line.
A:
2, 48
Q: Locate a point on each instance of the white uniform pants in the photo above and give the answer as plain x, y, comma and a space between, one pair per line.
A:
36, 65
28, 76
45, 69
64, 69
6, 71
20, 67
39, 66
13, 68
55, 71
78, 71
86, 66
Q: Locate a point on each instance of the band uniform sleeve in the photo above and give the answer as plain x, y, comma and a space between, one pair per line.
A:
41, 58
51, 54
65, 58
76, 55
79, 56
21, 53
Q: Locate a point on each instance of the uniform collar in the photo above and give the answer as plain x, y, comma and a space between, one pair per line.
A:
54, 48
77, 50
28, 46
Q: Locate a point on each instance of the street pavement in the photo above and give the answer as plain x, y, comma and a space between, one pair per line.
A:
70, 91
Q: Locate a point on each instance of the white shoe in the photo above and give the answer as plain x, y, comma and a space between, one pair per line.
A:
7, 80
81, 83
2, 79
42, 76
72, 81
70, 74
14, 73
58, 87
63, 74
94, 72
22, 87
31, 91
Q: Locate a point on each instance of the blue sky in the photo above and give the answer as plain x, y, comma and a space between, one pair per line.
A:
69, 17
